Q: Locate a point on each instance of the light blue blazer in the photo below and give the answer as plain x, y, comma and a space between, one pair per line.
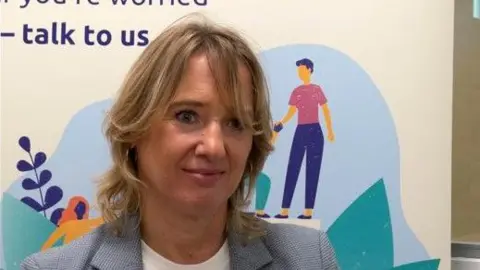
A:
284, 247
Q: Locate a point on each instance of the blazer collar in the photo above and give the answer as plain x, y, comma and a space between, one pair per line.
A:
120, 252
125, 252
249, 254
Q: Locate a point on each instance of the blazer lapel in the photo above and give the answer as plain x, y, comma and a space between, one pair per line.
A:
120, 253
248, 254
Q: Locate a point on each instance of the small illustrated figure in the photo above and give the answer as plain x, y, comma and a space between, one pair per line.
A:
74, 223
308, 138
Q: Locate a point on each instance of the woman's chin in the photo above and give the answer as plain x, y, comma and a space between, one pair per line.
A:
201, 200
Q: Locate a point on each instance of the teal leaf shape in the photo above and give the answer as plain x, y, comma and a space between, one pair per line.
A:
362, 235
23, 229
422, 265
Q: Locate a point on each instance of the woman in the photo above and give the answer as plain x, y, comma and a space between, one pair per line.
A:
190, 124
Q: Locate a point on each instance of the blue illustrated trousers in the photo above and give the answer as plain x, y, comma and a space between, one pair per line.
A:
308, 139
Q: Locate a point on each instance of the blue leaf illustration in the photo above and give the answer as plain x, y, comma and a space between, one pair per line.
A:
44, 177
24, 166
29, 184
24, 143
40, 158
32, 203
53, 195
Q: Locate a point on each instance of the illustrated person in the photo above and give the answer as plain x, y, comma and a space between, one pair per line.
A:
308, 139
73, 223
191, 122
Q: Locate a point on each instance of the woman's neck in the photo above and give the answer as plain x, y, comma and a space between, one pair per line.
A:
182, 238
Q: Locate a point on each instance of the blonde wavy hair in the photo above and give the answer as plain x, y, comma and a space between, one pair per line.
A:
147, 90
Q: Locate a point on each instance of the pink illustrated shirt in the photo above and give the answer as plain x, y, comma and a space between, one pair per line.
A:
307, 99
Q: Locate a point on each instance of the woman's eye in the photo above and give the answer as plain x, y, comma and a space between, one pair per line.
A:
186, 117
236, 124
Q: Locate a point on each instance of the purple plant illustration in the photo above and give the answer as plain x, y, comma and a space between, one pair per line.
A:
48, 198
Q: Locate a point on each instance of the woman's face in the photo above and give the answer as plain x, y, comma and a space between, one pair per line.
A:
194, 157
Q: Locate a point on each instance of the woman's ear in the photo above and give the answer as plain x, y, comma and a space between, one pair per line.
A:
132, 154
133, 157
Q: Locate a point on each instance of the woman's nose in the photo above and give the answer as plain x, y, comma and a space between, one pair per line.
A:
212, 142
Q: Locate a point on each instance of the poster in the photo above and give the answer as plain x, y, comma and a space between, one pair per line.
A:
374, 174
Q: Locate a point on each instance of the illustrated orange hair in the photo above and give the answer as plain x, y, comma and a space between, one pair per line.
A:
69, 213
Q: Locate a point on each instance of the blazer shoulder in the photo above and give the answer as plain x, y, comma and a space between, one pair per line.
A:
73, 255
301, 243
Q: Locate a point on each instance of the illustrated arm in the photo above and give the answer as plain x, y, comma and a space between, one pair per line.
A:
97, 221
328, 119
279, 126
57, 234
290, 113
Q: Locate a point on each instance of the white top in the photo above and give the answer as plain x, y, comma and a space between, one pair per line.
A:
154, 261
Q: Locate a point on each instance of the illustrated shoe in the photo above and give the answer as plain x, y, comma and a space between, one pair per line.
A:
264, 215
281, 216
304, 217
